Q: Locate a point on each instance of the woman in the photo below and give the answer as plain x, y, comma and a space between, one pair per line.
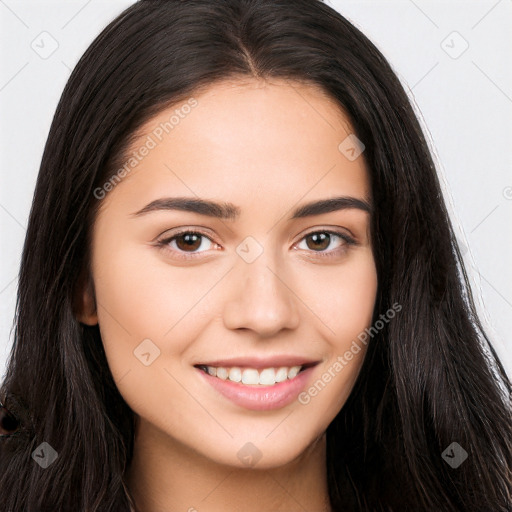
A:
240, 287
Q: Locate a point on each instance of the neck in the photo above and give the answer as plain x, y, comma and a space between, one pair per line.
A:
166, 475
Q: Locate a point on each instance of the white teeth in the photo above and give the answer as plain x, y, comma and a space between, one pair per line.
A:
293, 371
235, 374
267, 377
222, 373
281, 374
252, 377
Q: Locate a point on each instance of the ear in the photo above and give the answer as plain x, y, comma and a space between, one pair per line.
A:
85, 301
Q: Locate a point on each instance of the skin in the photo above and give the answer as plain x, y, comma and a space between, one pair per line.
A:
267, 147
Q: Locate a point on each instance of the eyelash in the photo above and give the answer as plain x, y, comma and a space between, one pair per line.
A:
164, 243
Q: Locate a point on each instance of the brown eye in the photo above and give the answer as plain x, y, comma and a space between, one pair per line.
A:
320, 241
188, 241
186, 244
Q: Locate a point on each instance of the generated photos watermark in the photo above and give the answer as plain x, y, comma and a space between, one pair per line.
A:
343, 360
152, 140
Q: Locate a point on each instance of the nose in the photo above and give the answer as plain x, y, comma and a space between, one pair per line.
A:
262, 300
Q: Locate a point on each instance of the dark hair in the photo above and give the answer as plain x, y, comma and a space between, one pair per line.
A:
430, 377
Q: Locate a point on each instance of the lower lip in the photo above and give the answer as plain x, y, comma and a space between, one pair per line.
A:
260, 398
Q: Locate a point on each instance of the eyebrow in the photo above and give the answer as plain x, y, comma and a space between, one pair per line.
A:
229, 211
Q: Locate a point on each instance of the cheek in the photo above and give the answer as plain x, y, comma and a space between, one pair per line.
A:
352, 308
346, 301
355, 306
140, 297
346, 307
145, 309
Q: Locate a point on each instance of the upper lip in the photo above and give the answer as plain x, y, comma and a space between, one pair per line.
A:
261, 362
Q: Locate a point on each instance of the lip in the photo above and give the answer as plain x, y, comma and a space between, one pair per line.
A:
260, 398
259, 363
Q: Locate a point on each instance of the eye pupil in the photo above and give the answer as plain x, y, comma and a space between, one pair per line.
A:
319, 238
191, 240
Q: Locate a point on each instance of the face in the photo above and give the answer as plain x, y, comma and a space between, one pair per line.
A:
192, 297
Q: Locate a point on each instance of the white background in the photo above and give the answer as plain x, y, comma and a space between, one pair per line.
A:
465, 106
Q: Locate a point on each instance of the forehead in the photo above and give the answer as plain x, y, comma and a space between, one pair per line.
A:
247, 140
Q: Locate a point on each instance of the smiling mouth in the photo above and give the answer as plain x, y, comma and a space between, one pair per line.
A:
252, 376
